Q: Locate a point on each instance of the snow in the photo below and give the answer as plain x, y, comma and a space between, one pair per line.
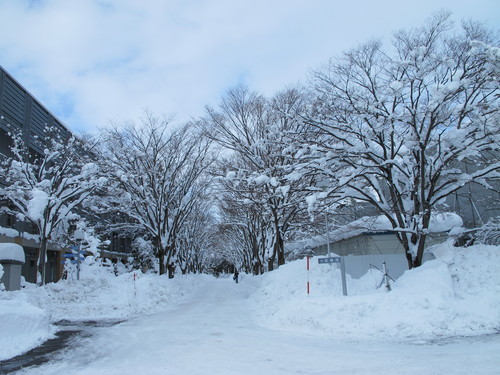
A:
10, 232
457, 294
37, 204
22, 326
262, 179
443, 222
396, 86
12, 252
439, 223
197, 324
99, 294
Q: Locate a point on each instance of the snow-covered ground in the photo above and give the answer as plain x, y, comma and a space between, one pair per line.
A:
269, 325
458, 294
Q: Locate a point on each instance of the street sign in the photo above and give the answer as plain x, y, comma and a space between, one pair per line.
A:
72, 256
329, 260
342, 269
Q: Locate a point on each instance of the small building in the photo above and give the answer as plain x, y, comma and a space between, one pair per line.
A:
370, 240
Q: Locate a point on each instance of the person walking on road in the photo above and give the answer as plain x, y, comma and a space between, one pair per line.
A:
235, 277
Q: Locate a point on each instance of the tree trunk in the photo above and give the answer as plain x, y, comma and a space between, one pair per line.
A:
42, 260
161, 255
280, 250
420, 251
171, 270
418, 242
270, 264
161, 260
170, 252
279, 247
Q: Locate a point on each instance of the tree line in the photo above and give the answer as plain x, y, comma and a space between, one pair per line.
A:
384, 127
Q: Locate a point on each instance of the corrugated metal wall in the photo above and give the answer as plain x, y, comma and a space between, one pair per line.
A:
21, 111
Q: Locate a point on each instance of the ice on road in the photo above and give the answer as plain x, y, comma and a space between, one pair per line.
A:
216, 333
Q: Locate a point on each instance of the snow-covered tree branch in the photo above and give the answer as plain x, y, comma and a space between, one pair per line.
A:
47, 189
399, 122
262, 174
158, 179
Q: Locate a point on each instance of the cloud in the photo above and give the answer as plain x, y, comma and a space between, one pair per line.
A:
94, 61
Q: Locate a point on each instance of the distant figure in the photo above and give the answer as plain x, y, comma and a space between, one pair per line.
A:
235, 277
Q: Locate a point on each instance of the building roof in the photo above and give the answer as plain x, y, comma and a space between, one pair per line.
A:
440, 223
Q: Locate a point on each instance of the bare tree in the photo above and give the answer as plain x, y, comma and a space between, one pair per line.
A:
401, 121
196, 237
157, 174
262, 174
243, 229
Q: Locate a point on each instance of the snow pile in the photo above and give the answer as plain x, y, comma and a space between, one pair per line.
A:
12, 252
456, 294
22, 327
99, 294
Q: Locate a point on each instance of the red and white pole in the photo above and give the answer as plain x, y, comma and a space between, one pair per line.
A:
307, 267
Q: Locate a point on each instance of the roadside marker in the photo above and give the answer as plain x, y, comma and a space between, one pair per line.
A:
307, 267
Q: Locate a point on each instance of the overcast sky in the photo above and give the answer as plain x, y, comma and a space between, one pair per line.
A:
95, 61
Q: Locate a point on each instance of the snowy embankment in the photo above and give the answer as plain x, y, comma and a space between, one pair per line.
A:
22, 327
457, 294
26, 315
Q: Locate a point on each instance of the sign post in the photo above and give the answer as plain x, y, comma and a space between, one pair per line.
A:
342, 272
330, 260
79, 236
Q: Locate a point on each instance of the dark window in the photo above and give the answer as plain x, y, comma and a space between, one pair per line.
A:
10, 221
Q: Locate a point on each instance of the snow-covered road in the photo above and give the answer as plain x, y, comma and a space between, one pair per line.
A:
216, 334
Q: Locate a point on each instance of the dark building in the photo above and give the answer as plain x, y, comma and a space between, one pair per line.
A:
20, 111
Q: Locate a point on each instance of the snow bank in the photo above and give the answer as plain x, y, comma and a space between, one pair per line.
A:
22, 327
457, 294
110, 297
12, 252
99, 295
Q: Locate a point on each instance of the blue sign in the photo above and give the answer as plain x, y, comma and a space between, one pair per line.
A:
73, 256
73, 261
